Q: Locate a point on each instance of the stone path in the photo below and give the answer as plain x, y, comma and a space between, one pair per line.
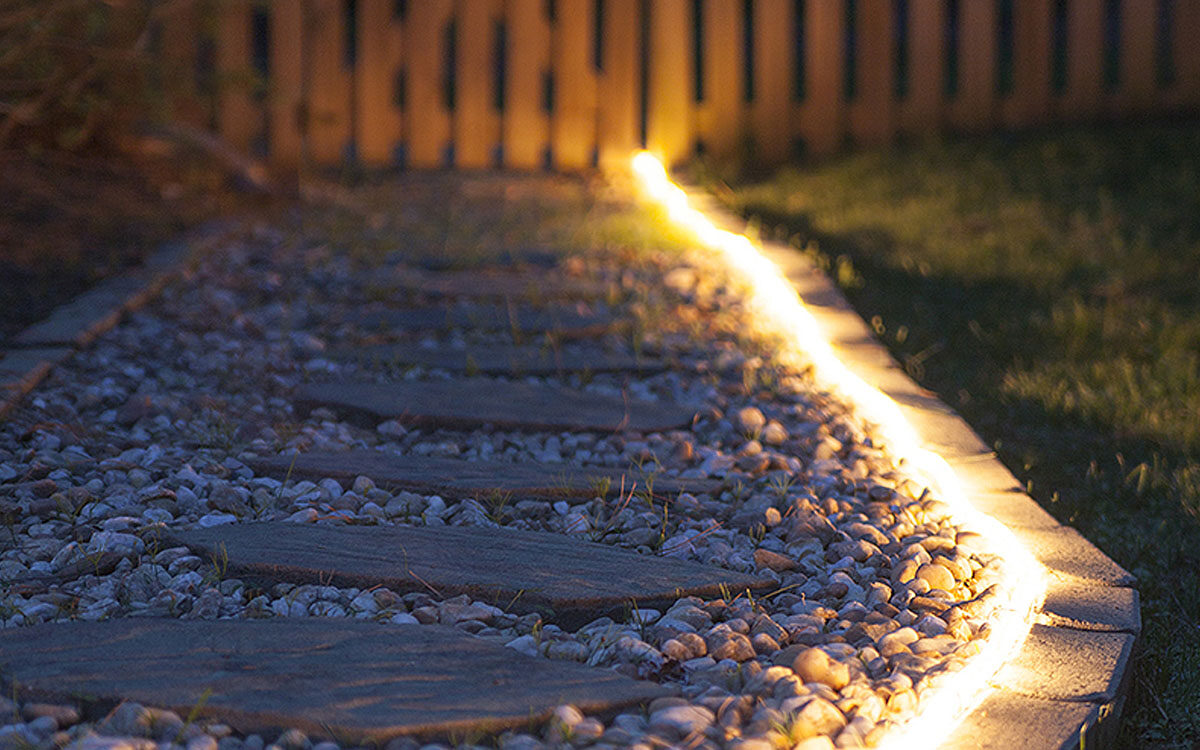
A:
569, 581
454, 477
473, 402
359, 682
818, 592
505, 359
562, 321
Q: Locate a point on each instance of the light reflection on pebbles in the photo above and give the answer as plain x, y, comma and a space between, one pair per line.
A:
876, 596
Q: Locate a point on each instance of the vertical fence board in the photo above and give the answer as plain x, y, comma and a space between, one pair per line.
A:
238, 119
380, 45
973, 109
873, 111
1186, 55
181, 34
720, 116
285, 94
426, 119
773, 66
525, 125
824, 106
1029, 102
476, 121
668, 116
1136, 86
921, 109
329, 86
618, 92
573, 125
1085, 62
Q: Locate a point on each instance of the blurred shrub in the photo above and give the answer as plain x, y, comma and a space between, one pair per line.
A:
74, 73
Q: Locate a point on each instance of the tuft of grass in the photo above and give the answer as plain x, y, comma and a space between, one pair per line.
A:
1048, 286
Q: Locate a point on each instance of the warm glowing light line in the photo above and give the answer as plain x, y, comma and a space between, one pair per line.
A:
780, 309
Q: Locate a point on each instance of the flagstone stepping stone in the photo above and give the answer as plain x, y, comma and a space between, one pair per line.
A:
456, 477
360, 682
498, 284
562, 321
472, 402
505, 359
569, 580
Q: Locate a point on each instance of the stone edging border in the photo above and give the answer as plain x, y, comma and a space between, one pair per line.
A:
1067, 686
28, 357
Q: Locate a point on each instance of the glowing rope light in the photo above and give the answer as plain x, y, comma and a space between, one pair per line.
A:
779, 308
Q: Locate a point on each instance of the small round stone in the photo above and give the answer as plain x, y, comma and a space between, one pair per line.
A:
937, 576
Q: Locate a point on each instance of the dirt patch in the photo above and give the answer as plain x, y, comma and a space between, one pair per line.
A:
68, 220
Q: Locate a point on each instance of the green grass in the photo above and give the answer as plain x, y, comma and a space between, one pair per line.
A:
1047, 286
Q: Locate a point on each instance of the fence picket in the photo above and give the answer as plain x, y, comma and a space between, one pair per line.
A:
476, 120
427, 116
921, 107
1185, 55
285, 90
1136, 85
618, 93
573, 124
669, 80
525, 123
381, 43
1085, 64
329, 90
238, 119
1029, 101
773, 66
182, 32
721, 111
824, 108
534, 83
974, 106
873, 110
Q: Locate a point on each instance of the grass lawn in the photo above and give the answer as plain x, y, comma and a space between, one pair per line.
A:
1047, 286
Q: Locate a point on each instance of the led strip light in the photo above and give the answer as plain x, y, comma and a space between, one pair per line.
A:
774, 301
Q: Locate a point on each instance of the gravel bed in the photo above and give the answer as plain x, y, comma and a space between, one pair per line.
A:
879, 593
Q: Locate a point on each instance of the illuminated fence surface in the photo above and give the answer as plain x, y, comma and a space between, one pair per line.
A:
568, 84
780, 311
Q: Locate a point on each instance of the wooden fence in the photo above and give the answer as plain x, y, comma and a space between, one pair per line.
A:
569, 84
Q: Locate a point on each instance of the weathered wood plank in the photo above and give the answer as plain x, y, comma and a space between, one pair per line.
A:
362, 682
568, 580
504, 359
497, 284
562, 321
473, 402
457, 477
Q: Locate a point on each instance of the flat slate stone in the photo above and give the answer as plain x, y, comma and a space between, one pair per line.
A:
456, 477
360, 682
506, 359
471, 402
563, 321
76, 322
498, 284
569, 579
